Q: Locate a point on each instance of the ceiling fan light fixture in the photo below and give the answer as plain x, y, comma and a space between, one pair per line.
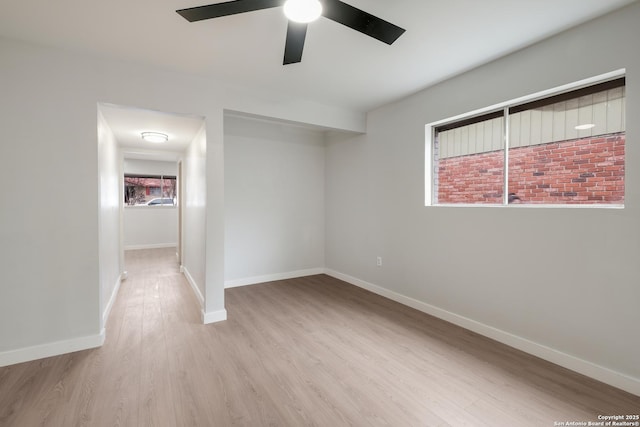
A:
155, 137
302, 11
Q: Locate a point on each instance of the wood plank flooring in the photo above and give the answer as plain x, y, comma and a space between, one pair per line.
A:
313, 351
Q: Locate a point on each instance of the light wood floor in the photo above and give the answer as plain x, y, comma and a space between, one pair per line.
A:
310, 351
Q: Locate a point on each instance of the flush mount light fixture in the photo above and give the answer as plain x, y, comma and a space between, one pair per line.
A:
585, 126
302, 11
155, 137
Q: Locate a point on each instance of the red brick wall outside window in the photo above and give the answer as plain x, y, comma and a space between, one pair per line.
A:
578, 171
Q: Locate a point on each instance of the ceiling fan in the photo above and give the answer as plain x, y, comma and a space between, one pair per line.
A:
300, 13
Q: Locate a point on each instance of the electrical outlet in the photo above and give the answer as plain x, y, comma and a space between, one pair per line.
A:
379, 261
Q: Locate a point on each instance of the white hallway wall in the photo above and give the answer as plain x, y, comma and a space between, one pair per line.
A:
274, 200
50, 294
150, 226
194, 239
562, 283
110, 194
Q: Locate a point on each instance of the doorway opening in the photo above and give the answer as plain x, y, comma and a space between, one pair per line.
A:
153, 193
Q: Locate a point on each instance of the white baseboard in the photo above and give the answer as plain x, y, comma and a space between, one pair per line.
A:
51, 349
151, 246
194, 285
272, 277
214, 316
584, 367
207, 317
112, 299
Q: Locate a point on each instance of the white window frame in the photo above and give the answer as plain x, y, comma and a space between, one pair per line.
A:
429, 183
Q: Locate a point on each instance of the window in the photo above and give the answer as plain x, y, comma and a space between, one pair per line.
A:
469, 160
566, 148
150, 190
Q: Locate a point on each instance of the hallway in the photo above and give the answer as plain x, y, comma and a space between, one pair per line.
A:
127, 381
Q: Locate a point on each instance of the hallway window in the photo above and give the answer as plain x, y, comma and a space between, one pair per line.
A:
150, 190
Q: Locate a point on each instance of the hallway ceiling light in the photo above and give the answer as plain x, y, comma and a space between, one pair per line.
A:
155, 137
302, 11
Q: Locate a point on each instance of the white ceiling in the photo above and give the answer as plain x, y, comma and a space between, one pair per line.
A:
339, 67
127, 125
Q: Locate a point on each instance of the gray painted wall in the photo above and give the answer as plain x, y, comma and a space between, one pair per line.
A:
563, 280
274, 198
